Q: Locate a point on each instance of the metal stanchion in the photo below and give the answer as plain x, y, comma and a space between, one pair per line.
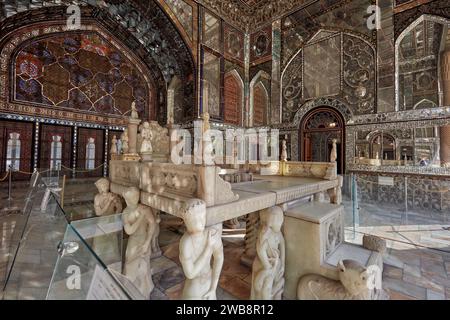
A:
406, 198
10, 209
62, 191
9, 182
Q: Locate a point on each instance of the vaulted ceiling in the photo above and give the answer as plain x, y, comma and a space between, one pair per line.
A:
251, 14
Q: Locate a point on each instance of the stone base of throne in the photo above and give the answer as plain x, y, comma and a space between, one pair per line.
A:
314, 237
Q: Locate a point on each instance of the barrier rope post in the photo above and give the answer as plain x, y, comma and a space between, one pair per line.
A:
9, 182
58, 169
62, 191
406, 198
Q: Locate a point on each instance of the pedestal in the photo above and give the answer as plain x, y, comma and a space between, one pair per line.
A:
146, 156
132, 135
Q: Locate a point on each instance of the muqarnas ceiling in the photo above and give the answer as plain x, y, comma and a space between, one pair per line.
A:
82, 72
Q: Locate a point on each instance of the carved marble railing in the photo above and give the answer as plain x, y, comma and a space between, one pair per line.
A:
321, 170
124, 174
176, 182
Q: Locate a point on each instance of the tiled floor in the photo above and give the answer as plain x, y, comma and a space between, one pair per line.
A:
413, 270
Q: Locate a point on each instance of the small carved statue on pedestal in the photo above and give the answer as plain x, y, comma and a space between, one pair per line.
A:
134, 113
113, 149
146, 138
283, 150
139, 223
268, 266
124, 139
197, 247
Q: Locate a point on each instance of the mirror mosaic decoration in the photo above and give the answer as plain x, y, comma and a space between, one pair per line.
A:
59, 71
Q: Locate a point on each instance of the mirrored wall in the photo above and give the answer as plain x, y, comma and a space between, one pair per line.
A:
422, 146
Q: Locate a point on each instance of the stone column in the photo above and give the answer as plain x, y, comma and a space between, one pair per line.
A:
445, 130
132, 135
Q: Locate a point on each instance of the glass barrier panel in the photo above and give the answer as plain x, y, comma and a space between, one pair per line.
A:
80, 275
104, 235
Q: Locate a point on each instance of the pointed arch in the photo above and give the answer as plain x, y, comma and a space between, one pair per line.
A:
256, 81
233, 97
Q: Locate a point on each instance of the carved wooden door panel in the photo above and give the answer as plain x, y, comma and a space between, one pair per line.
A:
22, 133
90, 152
56, 136
233, 100
260, 103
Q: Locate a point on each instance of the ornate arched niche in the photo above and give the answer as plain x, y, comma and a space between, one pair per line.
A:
143, 28
81, 72
334, 64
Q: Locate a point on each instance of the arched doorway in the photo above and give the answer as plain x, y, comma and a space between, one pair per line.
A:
317, 130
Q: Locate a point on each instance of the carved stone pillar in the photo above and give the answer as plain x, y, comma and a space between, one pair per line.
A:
251, 233
445, 130
132, 135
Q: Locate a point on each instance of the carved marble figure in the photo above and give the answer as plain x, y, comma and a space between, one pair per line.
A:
198, 246
333, 155
146, 138
139, 223
283, 150
353, 284
113, 149
106, 203
134, 113
124, 139
268, 266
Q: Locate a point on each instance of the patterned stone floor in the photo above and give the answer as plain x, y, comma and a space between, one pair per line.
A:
417, 263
